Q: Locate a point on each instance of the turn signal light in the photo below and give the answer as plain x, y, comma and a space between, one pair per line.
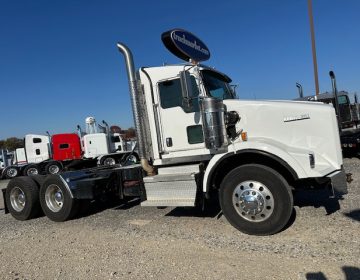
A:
244, 136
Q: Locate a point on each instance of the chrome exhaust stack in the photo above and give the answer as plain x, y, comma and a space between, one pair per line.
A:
80, 134
107, 132
299, 86
134, 87
335, 92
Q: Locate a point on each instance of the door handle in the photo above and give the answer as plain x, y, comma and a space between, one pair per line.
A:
169, 142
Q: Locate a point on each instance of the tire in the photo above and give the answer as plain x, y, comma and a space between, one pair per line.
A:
256, 199
11, 172
56, 201
22, 198
30, 170
107, 161
53, 167
134, 158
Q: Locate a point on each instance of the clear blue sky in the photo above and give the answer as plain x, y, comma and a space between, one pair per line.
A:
59, 63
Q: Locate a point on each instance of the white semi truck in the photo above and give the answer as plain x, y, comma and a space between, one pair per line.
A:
197, 141
107, 147
25, 160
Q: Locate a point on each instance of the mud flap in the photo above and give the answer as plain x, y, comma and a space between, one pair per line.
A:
5, 206
338, 182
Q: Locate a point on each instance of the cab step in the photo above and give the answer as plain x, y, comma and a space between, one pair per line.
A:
177, 189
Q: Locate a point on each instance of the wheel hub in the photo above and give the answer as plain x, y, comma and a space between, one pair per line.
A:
109, 161
17, 199
58, 197
32, 171
12, 172
54, 198
54, 169
253, 201
21, 198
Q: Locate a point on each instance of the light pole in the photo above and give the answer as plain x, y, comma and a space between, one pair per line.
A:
313, 46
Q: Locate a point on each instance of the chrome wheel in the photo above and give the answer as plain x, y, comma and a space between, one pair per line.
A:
32, 171
54, 169
54, 198
12, 172
17, 199
253, 201
109, 161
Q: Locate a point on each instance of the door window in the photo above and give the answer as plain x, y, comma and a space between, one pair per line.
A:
195, 134
170, 95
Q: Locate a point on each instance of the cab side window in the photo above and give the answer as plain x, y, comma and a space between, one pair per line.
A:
36, 140
170, 95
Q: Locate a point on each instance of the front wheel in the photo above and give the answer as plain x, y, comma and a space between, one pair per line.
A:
256, 199
56, 200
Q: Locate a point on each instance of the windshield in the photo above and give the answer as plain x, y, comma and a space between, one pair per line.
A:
343, 99
217, 85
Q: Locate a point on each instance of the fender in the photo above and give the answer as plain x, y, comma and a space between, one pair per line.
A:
274, 152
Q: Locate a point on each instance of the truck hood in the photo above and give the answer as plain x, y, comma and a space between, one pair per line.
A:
297, 126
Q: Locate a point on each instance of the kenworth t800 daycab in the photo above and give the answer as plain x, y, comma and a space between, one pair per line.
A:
195, 141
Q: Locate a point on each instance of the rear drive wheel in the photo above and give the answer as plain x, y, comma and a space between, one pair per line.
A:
31, 169
22, 198
56, 201
53, 167
11, 172
256, 199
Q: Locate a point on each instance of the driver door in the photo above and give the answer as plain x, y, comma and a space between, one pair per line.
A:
181, 127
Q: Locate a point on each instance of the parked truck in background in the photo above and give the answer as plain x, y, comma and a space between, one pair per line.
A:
196, 141
25, 160
50, 154
107, 147
5, 159
348, 115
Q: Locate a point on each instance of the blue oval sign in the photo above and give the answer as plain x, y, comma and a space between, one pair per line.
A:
185, 45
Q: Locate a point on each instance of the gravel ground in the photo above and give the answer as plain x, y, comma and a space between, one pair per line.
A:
130, 242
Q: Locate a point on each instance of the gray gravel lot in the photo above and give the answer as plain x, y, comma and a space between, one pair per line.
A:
130, 242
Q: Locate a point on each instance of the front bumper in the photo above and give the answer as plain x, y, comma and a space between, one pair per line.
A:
338, 182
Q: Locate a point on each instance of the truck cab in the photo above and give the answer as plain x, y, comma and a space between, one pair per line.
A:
296, 132
66, 146
36, 148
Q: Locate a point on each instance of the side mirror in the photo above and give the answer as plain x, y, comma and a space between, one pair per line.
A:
186, 89
233, 90
186, 86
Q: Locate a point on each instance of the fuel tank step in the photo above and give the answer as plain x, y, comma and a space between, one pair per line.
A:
171, 189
